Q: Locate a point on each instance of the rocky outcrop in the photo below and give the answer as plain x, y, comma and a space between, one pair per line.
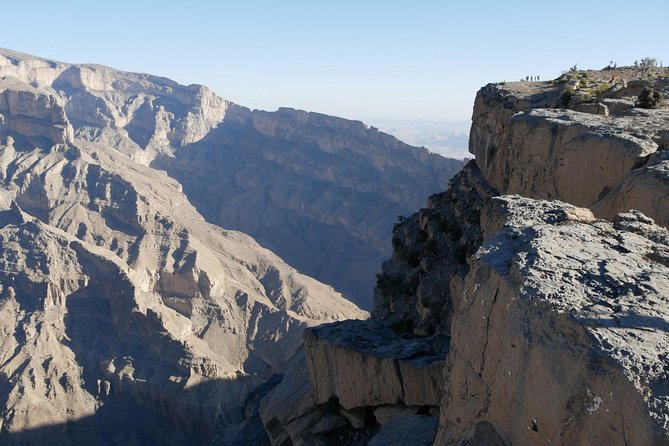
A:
559, 330
527, 142
430, 249
32, 113
354, 380
363, 363
557, 335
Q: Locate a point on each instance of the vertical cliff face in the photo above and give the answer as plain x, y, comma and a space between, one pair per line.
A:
546, 324
559, 330
578, 139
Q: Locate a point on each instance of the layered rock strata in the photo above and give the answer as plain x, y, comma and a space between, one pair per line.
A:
351, 379
322, 192
120, 304
538, 140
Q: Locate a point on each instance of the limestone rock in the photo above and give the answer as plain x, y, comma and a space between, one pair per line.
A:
351, 377
558, 335
329, 188
386, 414
644, 189
120, 303
527, 143
32, 112
431, 248
363, 363
290, 410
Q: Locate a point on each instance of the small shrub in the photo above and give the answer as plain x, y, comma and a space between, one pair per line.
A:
411, 258
460, 254
422, 236
566, 96
583, 97
397, 243
402, 326
649, 98
454, 231
387, 282
601, 88
430, 248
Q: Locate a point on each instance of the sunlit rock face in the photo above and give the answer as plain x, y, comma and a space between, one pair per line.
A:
320, 191
120, 305
531, 139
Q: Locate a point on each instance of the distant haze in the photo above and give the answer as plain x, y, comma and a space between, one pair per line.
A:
447, 138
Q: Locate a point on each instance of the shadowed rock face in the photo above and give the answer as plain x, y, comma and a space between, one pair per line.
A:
322, 192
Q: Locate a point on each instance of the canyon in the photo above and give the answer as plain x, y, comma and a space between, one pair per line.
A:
179, 269
129, 294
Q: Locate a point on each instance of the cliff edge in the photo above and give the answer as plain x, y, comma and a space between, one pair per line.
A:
514, 320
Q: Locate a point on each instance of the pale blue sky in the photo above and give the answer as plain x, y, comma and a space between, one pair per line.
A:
390, 59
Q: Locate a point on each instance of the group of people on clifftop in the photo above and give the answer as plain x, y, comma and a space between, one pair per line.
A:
531, 79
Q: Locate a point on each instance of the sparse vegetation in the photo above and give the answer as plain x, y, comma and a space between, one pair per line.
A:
397, 243
402, 326
430, 248
422, 236
460, 254
392, 284
411, 258
452, 229
649, 98
646, 64
566, 96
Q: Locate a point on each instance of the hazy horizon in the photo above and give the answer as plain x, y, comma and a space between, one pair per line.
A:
390, 60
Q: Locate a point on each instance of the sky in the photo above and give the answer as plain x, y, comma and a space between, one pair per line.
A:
419, 59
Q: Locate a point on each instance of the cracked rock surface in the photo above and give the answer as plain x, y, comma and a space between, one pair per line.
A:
560, 331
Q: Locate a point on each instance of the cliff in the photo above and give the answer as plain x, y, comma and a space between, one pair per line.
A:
320, 191
601, 152
513, 320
